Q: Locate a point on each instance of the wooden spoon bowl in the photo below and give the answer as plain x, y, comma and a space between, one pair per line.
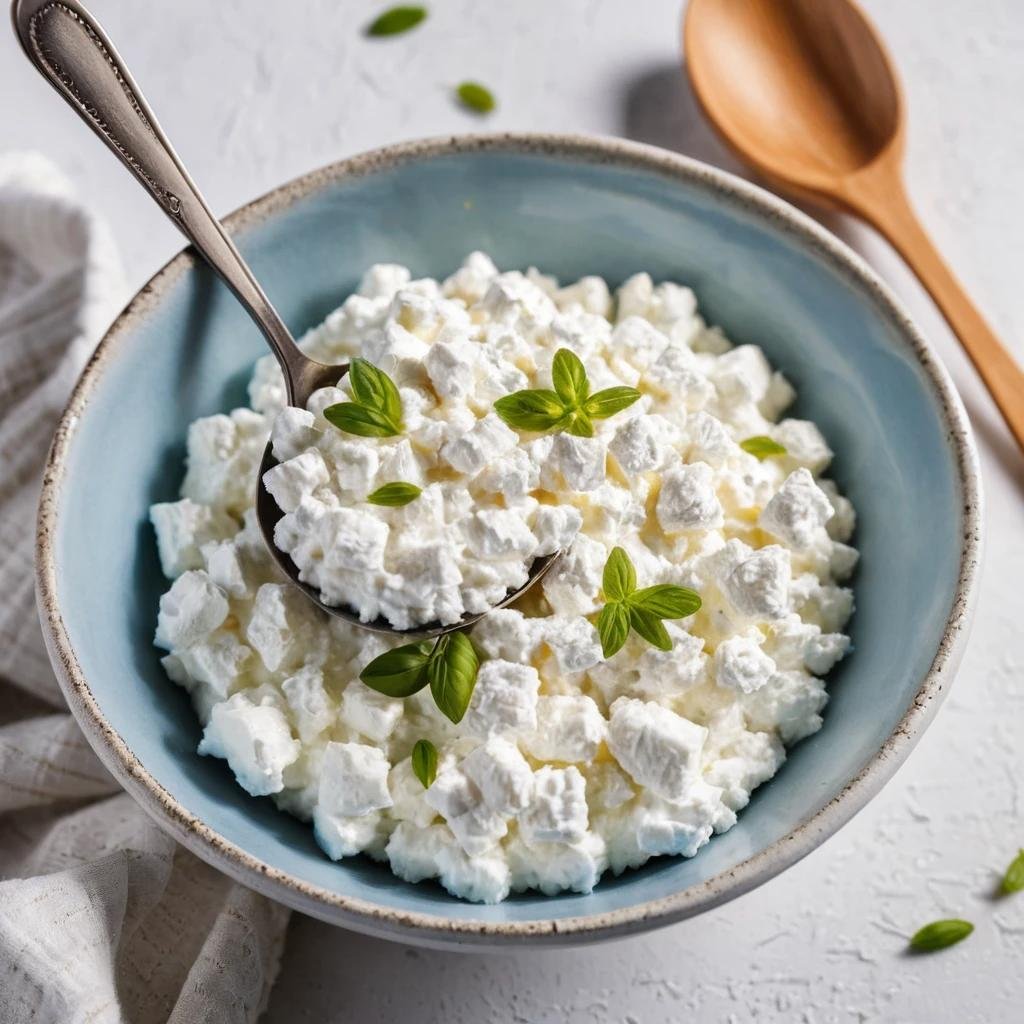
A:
805, 92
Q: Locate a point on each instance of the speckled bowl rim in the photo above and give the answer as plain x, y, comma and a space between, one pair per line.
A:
437, 930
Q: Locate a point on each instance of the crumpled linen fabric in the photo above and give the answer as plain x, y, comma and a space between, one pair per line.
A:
103, 918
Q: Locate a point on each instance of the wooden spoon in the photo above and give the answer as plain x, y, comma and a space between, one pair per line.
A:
805, 92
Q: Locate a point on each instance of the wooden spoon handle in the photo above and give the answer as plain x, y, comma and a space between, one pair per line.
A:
883, 202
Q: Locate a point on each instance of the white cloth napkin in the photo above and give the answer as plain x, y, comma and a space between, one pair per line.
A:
103, 918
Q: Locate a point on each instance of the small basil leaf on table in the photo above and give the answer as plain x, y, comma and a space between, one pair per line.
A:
476, 97
396, 20
940, 934
1013, 880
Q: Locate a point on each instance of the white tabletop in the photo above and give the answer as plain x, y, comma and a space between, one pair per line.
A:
255, 93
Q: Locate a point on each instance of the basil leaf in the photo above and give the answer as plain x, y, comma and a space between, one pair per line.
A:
452, 673
619, 578
476, 96
667, 601
424, 762
569, 378
530, 410
762, 446
650, 627
394, 495
578, 423
613, 627
940, 934
361, 420
608, 402
400, 672
373, 387
1013, 880
396, 20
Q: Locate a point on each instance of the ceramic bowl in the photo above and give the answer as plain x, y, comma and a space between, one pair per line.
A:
183, 348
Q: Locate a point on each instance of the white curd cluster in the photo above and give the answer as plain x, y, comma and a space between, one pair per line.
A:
566, 763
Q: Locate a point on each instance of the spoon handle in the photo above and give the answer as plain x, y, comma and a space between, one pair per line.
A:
71, 51
884, 203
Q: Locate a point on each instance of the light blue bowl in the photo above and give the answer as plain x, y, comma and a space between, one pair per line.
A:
572, 206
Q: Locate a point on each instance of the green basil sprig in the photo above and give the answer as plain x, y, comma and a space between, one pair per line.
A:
396, 20
763, 446
394, 495
424, 762
449, 666
376, 408
940, 934
640, 610
476, 97
570, 406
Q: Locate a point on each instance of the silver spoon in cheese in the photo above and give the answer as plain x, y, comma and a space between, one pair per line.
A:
70, 50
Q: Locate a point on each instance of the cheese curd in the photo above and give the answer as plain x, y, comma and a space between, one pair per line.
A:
566, 764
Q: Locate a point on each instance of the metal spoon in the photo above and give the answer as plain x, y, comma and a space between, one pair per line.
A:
805, 92
71, 51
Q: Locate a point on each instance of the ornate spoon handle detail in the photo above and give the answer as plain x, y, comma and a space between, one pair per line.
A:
73, 54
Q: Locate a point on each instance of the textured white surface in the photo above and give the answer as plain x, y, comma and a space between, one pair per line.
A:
255, 93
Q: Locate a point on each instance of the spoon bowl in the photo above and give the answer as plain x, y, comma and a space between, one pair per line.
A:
805, 92
269, 514
71, 51
808, 96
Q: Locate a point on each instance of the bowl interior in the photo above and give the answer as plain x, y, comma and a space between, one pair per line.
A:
190, 350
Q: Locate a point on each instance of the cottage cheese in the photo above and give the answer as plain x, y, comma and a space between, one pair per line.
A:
566, 764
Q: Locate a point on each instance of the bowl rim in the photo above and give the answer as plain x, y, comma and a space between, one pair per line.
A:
434, 929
